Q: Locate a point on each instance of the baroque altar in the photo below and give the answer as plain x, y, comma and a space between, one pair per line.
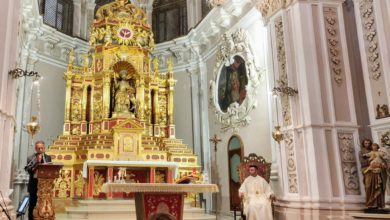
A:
118, 107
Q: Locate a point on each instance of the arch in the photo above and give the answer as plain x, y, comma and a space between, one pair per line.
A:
235, 154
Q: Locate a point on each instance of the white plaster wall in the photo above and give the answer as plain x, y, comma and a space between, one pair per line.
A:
52, 102
182, 108
256, 137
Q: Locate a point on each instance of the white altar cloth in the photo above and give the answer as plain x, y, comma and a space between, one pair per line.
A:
130, 163
159, 187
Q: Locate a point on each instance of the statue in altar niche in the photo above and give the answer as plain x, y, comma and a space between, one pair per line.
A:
124, 96
375, 176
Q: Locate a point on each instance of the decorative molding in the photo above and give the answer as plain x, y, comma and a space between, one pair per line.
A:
48, 43
53, 46
236, 115
291, 163
21, 177
268, 8
333, 42
348, 164
283, 79
370, 38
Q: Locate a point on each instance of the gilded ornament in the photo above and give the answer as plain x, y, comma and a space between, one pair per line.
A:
79, 184
115, 109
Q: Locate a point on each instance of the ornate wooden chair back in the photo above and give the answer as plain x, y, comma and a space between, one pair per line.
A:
263, 170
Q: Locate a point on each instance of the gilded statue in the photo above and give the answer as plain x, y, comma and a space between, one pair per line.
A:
79, 184
71, 57
107, 36
62, 183
98, 183
76, 116
160, 177
123, 93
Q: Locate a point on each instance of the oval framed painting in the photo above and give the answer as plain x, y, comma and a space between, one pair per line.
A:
236, 78
232, 82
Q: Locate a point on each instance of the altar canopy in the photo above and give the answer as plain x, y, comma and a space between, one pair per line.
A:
119, 107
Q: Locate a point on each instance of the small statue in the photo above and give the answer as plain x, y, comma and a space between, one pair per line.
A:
86, 61
93, 37
375, 177
155, 64
170, 64
108, 36
76, 116
123, 93
133, 104
382, 111
160, 177
71, 57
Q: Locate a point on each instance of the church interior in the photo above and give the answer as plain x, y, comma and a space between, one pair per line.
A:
192, 93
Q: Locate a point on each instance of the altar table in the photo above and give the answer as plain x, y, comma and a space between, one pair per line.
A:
153, 200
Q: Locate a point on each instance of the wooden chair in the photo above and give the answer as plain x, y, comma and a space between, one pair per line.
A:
263, 170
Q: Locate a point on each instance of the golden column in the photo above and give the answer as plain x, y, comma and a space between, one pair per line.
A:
106, 95
171, 83
84, 109
156, 113
141, 99
68, 78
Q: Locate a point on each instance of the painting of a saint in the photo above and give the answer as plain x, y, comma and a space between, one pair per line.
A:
232, 82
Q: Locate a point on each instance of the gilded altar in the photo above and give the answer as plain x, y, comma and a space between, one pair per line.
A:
118, 107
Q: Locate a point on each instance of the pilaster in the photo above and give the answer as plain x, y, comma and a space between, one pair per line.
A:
319, 153
372, 21
77, 15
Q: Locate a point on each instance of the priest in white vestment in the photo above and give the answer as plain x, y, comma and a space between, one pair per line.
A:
257, 195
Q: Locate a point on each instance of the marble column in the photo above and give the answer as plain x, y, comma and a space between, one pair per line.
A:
77, 18
23, 142
8, 59
203, 125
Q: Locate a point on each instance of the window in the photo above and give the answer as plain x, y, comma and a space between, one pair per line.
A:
58, 14
169, 19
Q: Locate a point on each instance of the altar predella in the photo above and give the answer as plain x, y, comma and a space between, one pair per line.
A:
118, 121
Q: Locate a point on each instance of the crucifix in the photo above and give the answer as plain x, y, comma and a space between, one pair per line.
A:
215, 140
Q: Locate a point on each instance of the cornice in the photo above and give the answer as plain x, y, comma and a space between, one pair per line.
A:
201, 42
269, 8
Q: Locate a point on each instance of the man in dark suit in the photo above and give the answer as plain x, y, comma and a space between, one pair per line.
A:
32, 162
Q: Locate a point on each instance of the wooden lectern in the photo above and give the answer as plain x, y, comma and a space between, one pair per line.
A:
159, 200
46, 174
